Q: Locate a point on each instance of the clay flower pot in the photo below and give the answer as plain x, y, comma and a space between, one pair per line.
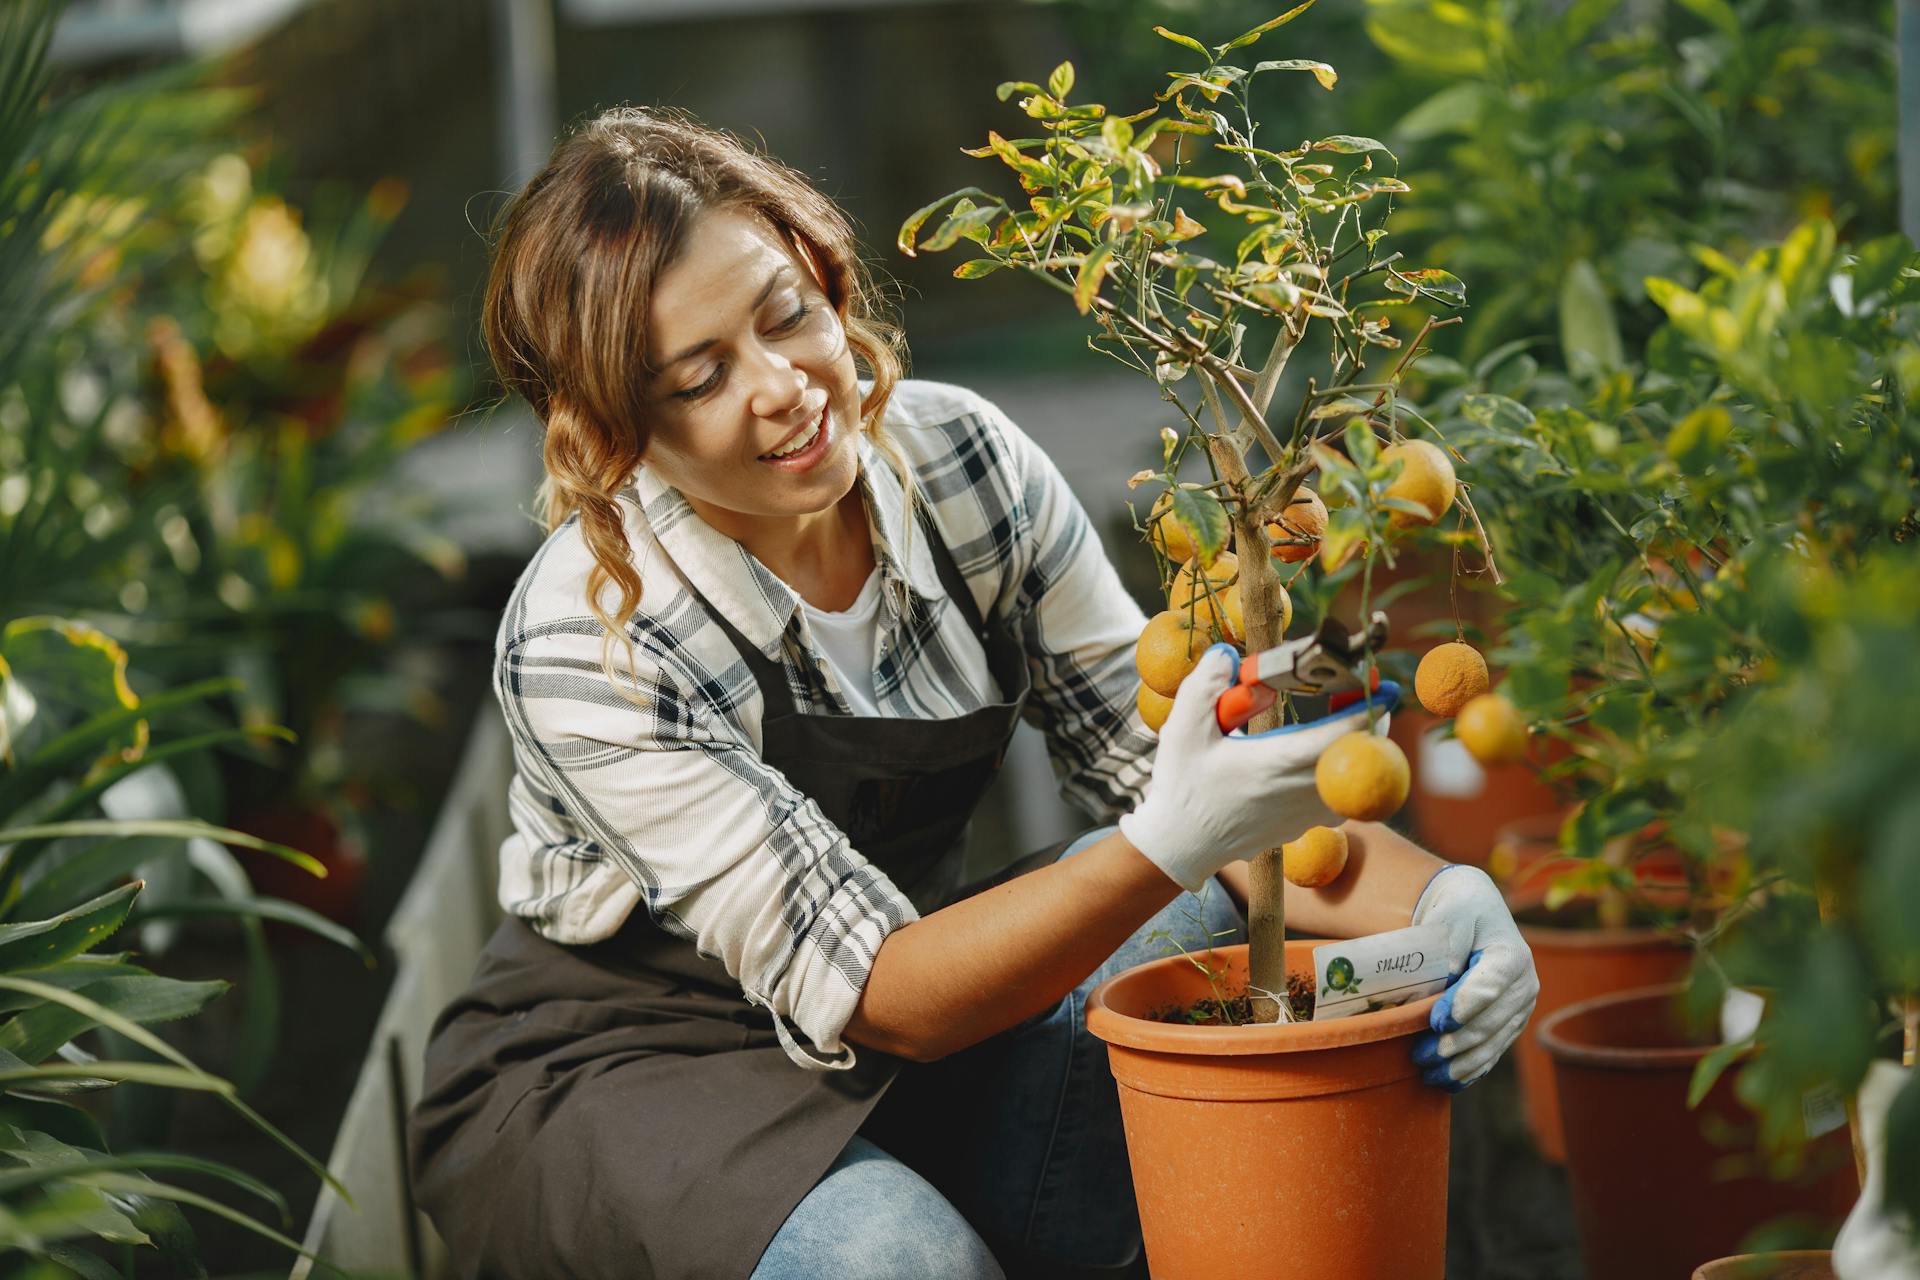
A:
1799, 1264
1305, 1150
1575, 959
1457, 806
1652, 1195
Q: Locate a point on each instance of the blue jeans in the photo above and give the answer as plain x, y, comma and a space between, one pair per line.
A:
1042, 1171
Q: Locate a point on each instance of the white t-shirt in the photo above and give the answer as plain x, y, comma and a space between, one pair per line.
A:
848, 641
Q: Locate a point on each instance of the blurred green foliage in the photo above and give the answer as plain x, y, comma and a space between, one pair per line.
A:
199, 393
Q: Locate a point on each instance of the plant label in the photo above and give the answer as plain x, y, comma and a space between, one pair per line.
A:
1359, 975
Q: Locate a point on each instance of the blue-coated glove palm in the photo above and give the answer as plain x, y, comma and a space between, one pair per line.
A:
1492, 995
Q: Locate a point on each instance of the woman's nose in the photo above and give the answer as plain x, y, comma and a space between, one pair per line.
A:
779, 386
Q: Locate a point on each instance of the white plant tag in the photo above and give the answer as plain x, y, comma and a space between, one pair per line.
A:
1447, 769
1823, 1110
1359, 975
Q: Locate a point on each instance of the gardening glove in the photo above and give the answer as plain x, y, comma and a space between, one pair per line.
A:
1216, 798
1492, 996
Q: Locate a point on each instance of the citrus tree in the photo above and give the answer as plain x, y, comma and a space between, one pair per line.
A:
1208, 278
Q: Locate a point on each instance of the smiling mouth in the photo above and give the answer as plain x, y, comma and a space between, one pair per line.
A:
801, 441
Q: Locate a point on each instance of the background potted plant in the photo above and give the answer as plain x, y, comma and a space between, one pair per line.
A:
1768, 438
82, 722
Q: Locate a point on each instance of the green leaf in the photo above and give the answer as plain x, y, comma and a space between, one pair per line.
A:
1204, 519
1715, 13
1325, 74
1092, 271
144, 998
1010, 87
182, 828
1249, 37
1698, 440
1497, 413
1061, 81
1589, 334
1448, 40
1431, 282
265, 908
41, 943
1710, 1068
1878, 263
911, 227
1348, 144
964, 224
1187, 42
1458, 108
90, 871
974, 268
55, 674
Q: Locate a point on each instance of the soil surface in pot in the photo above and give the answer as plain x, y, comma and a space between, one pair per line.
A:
1237, 1010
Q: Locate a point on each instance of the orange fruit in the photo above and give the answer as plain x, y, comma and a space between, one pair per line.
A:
1305, 517
1154, 708
1217, 602
1316, 858
1426, 479
1167, 650
1168, 533
1362, 775
1450, 676
1491, 729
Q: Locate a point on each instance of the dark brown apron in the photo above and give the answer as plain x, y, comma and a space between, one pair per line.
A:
620, 1109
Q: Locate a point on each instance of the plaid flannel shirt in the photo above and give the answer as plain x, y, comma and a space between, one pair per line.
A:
671, 807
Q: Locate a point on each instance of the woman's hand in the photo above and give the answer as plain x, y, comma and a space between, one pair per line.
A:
1215, 799
1492, 997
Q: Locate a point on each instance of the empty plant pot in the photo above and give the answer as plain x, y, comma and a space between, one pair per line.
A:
1309, 1151
1576, 958
1652, 1194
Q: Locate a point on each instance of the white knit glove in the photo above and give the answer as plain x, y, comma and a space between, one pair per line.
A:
1215, 798
1492, 996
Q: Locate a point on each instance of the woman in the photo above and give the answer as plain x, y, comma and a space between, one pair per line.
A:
747, 1016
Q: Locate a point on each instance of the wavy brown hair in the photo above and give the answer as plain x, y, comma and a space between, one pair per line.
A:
576, 255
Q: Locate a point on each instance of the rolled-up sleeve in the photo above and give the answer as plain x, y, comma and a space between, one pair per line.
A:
724, 850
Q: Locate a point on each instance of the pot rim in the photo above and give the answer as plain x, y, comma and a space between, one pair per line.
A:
1616, 1057
1127, 1031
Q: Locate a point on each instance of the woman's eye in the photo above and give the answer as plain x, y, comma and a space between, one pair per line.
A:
694, 393
792, 322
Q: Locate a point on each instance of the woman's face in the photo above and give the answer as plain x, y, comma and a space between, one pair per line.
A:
755, 409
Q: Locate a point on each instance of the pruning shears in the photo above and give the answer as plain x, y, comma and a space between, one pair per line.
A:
1323, 662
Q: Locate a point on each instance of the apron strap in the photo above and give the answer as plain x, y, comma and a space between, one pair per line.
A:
771, 674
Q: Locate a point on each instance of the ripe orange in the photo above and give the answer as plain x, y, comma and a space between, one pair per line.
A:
1362, 775
1167, 533
1217, 603
1491, 729
1449, 677
1316, 858
1153, 707
1305, 517
1167, 650
1426, 479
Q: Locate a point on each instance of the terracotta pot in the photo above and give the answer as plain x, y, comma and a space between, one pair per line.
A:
1652, 1195
1457, 806
1310, 1151
313, 831
1798, 1264
1576, 961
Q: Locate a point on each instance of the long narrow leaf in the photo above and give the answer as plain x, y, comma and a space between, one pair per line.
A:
266, 908
39, 943
143, 998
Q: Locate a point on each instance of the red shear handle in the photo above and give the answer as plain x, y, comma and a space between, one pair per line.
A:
1351, 696
1243, 701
